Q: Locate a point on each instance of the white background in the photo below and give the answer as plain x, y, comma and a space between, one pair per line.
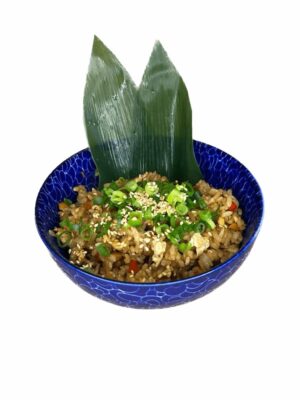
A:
240, 61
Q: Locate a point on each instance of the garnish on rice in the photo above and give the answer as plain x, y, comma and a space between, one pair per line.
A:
172, 231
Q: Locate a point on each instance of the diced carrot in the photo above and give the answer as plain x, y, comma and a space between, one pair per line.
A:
133, 266
232, 207
62, 206
234, 226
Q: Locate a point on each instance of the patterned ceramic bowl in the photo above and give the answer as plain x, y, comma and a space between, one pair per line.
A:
219, 169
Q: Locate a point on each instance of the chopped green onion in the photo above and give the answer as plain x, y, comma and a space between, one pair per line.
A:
183, 247
148, 214
119, 216
156, 198
86, 232
99, 200
67, 201
160, 218
151, 188
173, 221
118, 197
173, 239
108, 191
135, 218
182, 209
190, 203
199, 227
65, 223
190, 189
184, 228
162, 228
165, 187
62, 243
102, 229
175, 234
102, 250
181, 188
114, 186
215, 215
206, 217
200, 201
131, 186
175, 196
134, 203
181, 230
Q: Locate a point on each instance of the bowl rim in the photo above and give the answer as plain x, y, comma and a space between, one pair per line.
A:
218, 267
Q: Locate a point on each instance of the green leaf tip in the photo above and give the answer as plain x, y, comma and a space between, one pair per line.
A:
110, 102
132, 130
166, 120
158, 48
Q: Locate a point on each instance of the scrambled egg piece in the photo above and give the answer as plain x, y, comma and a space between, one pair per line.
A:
201, 243
159, 249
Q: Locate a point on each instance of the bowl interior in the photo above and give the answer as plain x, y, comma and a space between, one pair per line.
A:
219, 169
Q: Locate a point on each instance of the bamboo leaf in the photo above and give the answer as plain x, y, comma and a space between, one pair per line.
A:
110, 102
165, 142
132, 131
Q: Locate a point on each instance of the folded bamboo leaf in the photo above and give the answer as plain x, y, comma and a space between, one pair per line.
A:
110, 102
165, 143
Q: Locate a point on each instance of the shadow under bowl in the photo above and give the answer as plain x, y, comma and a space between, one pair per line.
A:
219, 169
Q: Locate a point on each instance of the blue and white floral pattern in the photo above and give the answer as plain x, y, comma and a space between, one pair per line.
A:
219, 169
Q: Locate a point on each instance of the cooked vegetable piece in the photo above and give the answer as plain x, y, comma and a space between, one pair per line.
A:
133, 266
182, 209
135, 218
64, 238
151, 188
206, 217
86, 232
68, 202
102, 249
118, 197
232, 207
131, 186
175, 196
99, 200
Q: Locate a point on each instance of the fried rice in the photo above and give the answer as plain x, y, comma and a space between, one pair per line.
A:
100, 239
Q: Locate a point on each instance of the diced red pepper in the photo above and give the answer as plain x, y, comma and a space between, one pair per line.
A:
133, 266
232, 207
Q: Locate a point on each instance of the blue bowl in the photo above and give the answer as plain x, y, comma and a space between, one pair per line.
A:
219, 169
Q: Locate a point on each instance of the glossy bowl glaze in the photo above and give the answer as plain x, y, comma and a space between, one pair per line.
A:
219, 169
